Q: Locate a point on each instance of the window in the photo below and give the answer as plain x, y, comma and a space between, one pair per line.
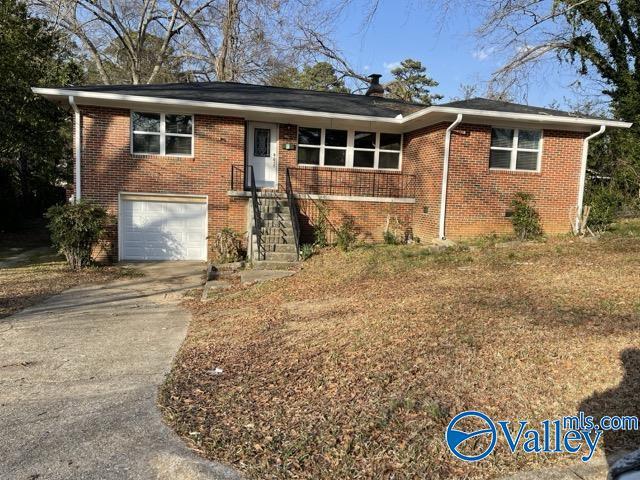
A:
343, 148
515, 149
162, 134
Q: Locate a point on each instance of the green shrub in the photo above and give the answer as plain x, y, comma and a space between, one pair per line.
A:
321, 227
227, 246
75, 229
605, 204
525, 218
346, 235
306, 251
390, 238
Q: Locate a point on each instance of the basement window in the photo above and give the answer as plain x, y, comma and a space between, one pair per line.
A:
515, 149
162, 134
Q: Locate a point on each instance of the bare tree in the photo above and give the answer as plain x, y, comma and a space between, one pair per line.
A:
226, 40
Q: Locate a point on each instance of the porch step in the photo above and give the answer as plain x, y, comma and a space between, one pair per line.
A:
280, 247
278, 239
275, 216
273, 265
276, 222
281, 256
273, 209
270, 202
284, 231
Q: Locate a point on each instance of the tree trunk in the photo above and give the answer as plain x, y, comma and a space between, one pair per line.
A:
224, 63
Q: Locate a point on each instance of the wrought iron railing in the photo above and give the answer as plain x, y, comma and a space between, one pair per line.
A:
238, 183
361, 183
257, 219
293, 209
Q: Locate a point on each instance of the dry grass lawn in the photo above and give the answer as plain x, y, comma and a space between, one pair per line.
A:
353, 367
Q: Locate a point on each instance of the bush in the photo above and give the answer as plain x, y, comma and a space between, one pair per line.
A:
306, 251
390, 238
605, 204
227, 246
346, 235
321, 227
75, 229
525, 218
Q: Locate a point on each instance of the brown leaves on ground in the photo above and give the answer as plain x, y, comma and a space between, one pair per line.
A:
45, 274
353, 367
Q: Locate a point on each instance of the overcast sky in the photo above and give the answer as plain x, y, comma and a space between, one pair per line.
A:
408, 29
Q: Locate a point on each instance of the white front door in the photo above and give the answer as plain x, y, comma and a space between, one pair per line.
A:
262, 154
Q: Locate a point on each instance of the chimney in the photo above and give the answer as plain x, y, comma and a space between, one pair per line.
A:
375, 89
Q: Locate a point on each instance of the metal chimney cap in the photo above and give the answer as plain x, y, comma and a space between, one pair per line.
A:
375, 89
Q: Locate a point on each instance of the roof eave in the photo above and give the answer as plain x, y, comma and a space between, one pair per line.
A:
399, 120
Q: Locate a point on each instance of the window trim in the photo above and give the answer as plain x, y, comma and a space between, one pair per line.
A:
514, 151
162, 134
350, 149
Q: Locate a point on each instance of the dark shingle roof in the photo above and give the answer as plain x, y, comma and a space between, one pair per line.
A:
508, 107
265, 96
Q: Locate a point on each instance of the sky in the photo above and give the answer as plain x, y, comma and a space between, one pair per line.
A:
411, 29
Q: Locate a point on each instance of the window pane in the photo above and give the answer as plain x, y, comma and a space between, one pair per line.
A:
335, 138
389, 160
527, 161
178, 145
308, 156
146, 122
363, 159
179, 124
262, 142
146, 143
500, 159
365, 140
502, 137
309, 136
528, 138
336, 158
390, 141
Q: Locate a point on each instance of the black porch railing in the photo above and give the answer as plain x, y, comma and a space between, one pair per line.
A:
333, 181
257, 219
360, 183
295, 216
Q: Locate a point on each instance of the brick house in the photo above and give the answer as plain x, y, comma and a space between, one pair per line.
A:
177, 163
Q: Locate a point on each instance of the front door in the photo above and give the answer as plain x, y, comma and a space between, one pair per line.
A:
262, 154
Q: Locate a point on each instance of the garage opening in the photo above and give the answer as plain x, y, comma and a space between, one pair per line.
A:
162, 227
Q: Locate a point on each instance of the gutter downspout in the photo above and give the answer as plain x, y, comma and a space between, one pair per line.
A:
77, 145
583, 175
445, 176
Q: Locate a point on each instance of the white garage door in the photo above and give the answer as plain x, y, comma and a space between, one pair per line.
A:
163, 228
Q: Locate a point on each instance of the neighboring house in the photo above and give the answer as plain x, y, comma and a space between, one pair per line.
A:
172, 163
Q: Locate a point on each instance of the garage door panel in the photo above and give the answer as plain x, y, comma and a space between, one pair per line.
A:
158, 230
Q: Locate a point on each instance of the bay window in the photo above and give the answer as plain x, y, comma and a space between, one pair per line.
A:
515, 149
347, 148
161, 134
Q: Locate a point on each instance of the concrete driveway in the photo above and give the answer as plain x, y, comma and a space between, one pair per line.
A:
79, 376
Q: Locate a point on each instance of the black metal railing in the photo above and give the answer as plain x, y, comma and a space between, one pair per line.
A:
293, 209
257, 219
359, 183
238, 183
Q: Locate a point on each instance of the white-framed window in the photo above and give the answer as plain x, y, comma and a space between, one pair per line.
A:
515, 149
162, 134
330, 147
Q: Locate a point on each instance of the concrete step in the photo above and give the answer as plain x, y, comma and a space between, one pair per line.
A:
273, 265
275, 216
284, 231
273, 209
281, 257
279, 239
280, 247
273, 201
276, 222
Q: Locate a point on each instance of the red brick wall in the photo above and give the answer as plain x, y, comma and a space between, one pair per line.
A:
422, 156
108, 167
478, 197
